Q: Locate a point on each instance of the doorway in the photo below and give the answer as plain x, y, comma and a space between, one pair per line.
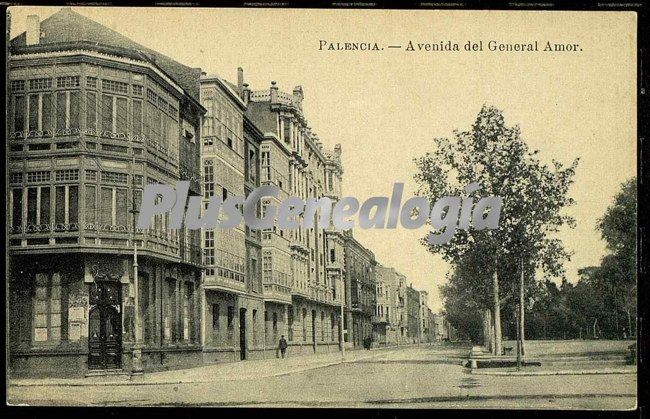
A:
105, 326
242, 333
313, 328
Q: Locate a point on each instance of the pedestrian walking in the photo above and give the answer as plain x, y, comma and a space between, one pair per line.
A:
283, 346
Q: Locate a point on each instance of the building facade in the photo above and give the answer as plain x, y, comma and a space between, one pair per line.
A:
295, 267
360, 283
234, 316
425, 328
93, 118
413, 315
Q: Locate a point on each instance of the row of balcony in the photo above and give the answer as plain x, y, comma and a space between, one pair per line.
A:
106, 236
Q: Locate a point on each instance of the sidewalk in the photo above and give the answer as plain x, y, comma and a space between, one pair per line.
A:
231, 371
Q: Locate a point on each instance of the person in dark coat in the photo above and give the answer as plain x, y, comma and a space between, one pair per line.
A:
283, 346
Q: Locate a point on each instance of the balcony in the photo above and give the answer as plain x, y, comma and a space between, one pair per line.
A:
105, 238
380, 319
277, 293
213, 281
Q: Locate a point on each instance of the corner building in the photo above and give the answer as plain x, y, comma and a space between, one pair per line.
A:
93, 118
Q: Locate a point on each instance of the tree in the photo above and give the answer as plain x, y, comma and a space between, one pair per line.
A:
495, 156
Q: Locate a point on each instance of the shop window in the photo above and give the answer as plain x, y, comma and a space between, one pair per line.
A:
47, 309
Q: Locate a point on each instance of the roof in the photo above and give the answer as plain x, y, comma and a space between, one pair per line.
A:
67, 25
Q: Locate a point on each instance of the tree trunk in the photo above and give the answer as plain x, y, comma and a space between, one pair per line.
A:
521, 309
497, 313
629, 324
487, 331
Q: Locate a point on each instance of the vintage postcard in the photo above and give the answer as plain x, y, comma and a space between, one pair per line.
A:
331, 208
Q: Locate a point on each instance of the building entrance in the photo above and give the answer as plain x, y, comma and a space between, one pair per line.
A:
105, 326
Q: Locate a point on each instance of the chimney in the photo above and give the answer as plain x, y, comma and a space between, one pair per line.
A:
246, 94
33, 30
298, 96
240, 81
274, 92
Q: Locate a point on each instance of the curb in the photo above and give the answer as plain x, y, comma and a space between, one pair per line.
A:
136, 382
549, 373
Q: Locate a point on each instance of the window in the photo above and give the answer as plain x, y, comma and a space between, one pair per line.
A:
17, 85
16, 208
91, 204
332, 255
67, 82
114, 114
47, 308
215, 317
113, 206
91, 175
209, 248
136, 117
208, 178
67, 110
91, 110
91, 82
40, 176
187, 311
137, 90
322, 326
66, 175
287, 130
16, 178
252, 165
275, 324
115, 177
170, 310
40, 84
19, 113
39, 113
115, 86
66, 205
38, 205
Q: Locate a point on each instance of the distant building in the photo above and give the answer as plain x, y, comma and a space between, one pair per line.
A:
390, 323
413, 313
360, 285
424, 317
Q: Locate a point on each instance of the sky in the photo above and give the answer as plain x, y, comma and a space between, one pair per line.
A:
385, 107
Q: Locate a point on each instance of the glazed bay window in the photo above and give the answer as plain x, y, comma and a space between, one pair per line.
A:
67, 111
16, 210
114, 114
113, 207
66, 210
38, 208
136, 118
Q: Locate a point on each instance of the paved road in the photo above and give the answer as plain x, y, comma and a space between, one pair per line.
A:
407, 378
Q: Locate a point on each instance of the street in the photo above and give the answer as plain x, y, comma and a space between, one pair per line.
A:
415, 377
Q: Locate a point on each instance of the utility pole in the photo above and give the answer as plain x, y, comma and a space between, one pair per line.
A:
341, 332
518, 341
136, 367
